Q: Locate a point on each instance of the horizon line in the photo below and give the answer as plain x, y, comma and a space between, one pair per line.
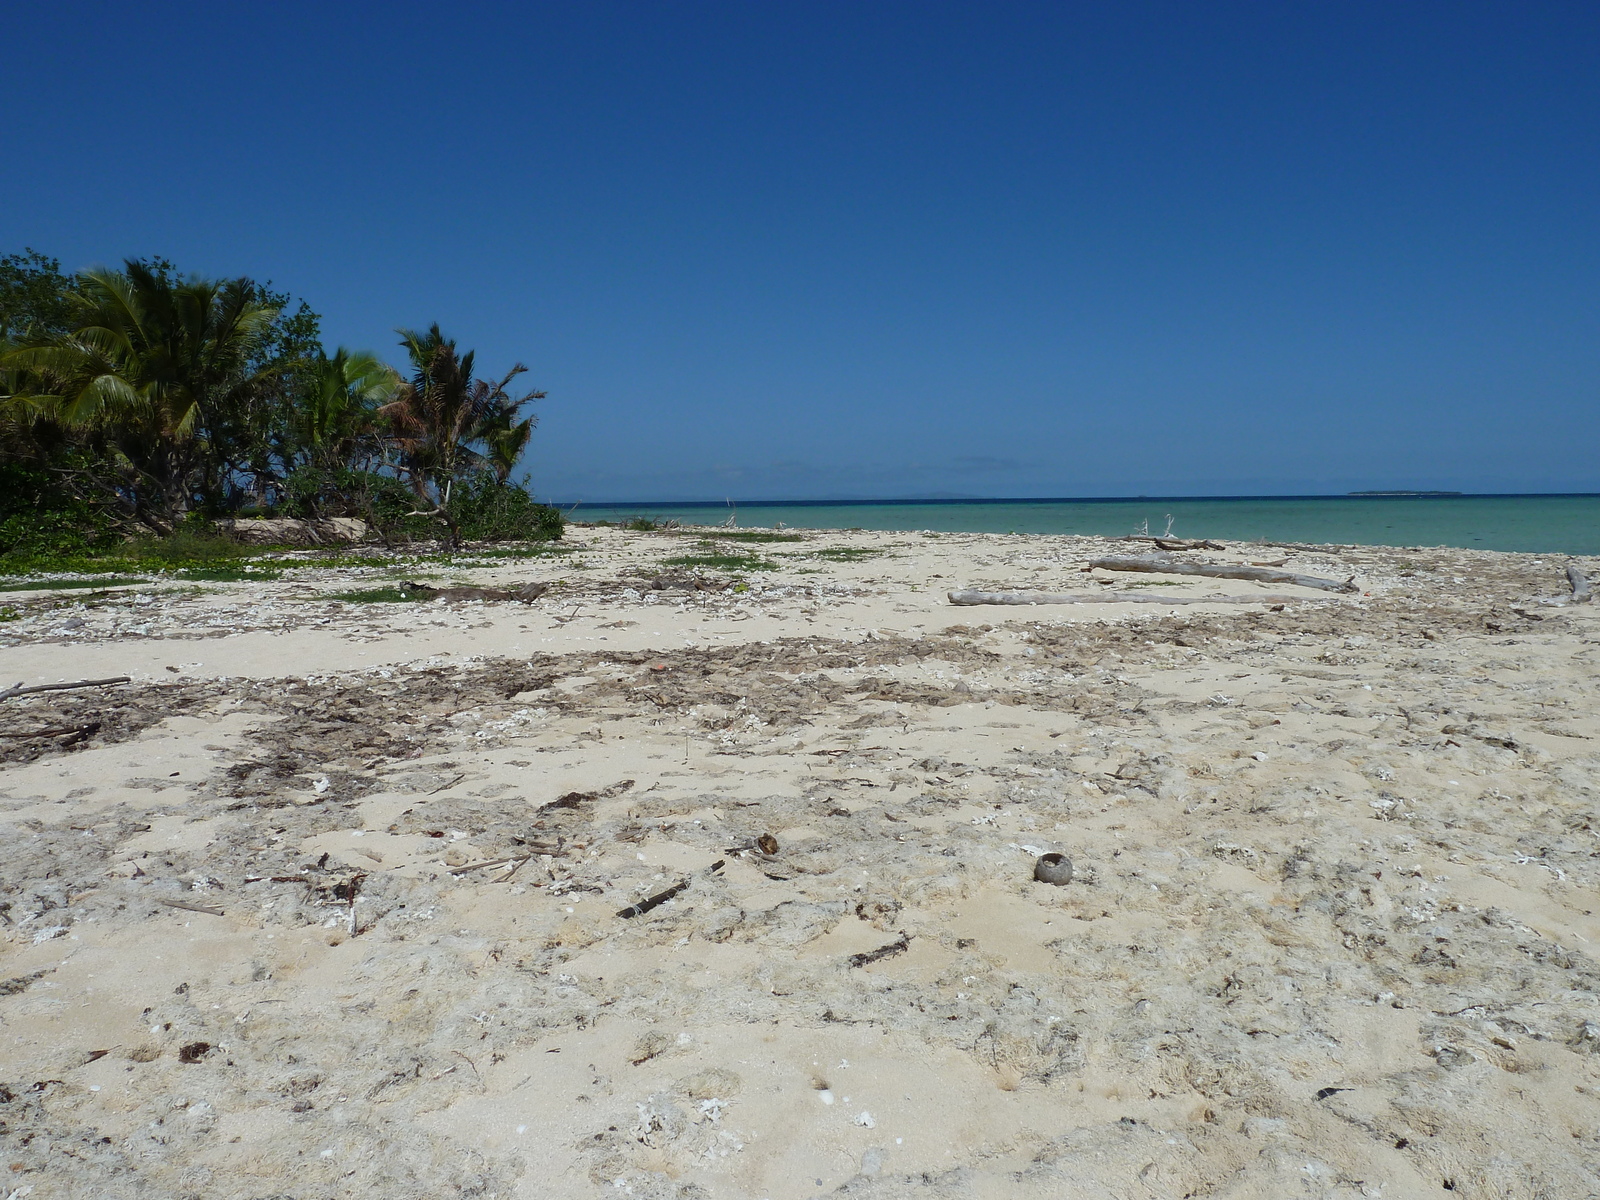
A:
573, 505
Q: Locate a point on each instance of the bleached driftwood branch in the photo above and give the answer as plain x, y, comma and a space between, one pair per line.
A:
1164, 566
19, 690
972, 597
1580, 584
1168, 543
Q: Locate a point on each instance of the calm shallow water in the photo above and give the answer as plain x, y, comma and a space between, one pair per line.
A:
1542, 524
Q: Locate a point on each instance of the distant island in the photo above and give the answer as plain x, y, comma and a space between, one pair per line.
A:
1403, 493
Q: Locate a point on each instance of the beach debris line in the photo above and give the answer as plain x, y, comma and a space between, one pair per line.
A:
661, 897
1159, 565
1053, 868
975, 597
19, 690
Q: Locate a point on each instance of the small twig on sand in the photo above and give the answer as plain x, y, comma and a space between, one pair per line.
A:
515, 867
469, 1063
19, 690
208, 909
899, 946
660, 898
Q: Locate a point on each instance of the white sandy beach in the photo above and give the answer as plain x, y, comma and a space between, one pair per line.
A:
1332, 933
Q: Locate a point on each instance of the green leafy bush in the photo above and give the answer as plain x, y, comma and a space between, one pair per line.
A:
39, 520
487, 510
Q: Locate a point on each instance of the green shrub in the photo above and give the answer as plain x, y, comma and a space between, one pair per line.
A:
41, 520
487, 510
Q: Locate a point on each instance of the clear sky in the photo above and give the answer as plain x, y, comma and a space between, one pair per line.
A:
784, 250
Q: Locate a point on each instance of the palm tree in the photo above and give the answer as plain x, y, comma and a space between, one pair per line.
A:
341, 407
446, 425
152, 366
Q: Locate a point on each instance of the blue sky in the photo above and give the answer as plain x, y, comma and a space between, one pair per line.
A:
853, 250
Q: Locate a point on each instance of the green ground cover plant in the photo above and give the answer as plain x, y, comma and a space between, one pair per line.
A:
757, 535
41, 585
722, 562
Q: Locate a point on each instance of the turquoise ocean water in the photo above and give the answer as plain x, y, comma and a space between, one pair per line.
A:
1541, 524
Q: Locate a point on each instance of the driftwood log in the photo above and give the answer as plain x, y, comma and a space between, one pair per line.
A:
1580, 584
1165, 543
525, 593
971, 597
19, 690
1331, 548
1165, 566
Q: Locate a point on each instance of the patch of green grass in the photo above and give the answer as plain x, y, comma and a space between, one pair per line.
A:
721, 562
10, 614
337, 561
230, 573
392, 594
461, 558
45, 585
535, 550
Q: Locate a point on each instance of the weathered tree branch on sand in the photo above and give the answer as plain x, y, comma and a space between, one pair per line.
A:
1309, 549
76, 731
660, 898
971, 597
1165, 543
527, 593
1163, 566
209, 909
19, 690
1580, 584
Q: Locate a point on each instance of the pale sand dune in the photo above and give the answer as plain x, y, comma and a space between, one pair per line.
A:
1351, 844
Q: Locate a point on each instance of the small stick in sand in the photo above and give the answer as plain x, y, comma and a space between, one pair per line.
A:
208, 909
660, 898
866, 958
